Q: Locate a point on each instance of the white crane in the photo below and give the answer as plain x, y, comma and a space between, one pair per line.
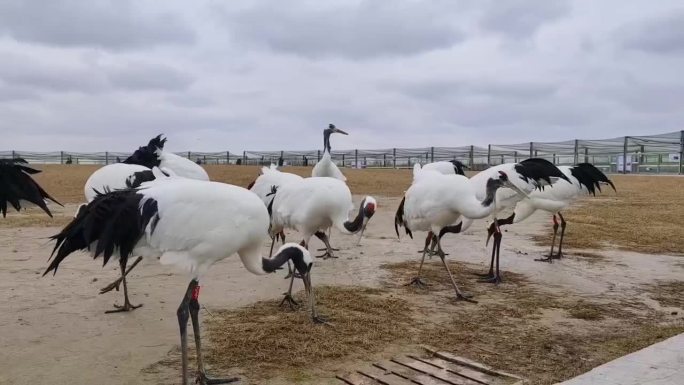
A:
134, 170
187, 223
435, 201
443, 167
326, 167
583, 178
314, 205
263, 185
17, 187
528, 175
447, 167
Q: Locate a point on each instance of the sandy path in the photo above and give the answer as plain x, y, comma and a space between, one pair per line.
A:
54, 330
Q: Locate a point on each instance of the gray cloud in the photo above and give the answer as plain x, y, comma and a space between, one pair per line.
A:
370, 28
664, 34
92, 23
521, 18
138, 76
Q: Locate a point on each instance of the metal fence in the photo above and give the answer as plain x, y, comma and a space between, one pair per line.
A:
630, 154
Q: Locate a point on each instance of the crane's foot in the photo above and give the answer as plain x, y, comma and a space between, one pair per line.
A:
114, 285
319, 319
418, 282
327, 255
467, 297
296, 275
485, 275
294, 305
202, 379
494, 279
126, 307
558, 256
547, 258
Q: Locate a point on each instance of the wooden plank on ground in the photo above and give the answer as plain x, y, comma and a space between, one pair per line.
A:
474, 376
385, 377
355, 378
409, 374
434, 372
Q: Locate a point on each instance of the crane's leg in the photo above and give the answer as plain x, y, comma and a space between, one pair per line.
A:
115, 284
549, 258
315, 317
183, 314
560, 244
288, 296
493, 229
329, 250
417, 280
429, 250
495, 277
201, 375
459, 294
127, 303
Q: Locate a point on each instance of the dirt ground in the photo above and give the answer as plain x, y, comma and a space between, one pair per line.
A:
55, 330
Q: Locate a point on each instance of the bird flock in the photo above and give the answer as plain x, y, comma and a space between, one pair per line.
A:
157, 205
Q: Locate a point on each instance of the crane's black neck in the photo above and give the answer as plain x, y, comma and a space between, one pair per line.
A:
293, 254
492, 186
326, 140
355, 225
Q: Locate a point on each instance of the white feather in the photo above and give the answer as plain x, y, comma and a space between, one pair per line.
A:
271, 176
327, 168
111, 177
181, 166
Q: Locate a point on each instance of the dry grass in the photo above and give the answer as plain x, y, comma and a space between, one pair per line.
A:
642, 217
263, 339
517, 327
668, 293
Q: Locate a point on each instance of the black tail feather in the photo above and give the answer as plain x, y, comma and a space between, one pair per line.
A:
399, 219
112, 223
539, 170
590, 177
16, 185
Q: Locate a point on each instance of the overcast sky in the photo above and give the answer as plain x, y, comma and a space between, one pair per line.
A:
265, 75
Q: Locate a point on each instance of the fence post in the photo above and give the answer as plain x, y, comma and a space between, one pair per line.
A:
227, 157
531, 149
489, 155
432, 154
472, 156
681, 150
586, 155
394, 157
14, 154
384, 160
189, 155
61, 157
244, 158
624, 156
356, 158
318, 155
576, 152
515, 156
343, 160
106, 157
554, 159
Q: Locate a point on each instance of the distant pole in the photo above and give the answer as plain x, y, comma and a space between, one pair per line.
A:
489, 155
472, 155
106, 157
515, 156
531, 149
681, 151
576, 152
432, 154
384, 160
624, 156
227, 157
586, 155
244, 157
554, 159
318, 156
394, 156
61, 157
343, 160
356, 158
14, 154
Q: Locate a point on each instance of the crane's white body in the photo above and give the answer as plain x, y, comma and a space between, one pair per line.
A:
310, 205
552, 199
436, 200
271, 176
327, 168
111, 177
181, 166
442, 167
201, 223
114, 176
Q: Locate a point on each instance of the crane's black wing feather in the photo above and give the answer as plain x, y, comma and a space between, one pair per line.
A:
16, 185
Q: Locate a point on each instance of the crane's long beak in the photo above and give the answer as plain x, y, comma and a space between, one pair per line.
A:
338, 131
515, 188
363, 228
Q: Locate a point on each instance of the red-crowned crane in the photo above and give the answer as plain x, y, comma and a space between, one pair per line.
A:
263, 185
135, 170
188, 223
314, 205
435, 201
447, 167
528, 175
583, 178
17, 187
326, 167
